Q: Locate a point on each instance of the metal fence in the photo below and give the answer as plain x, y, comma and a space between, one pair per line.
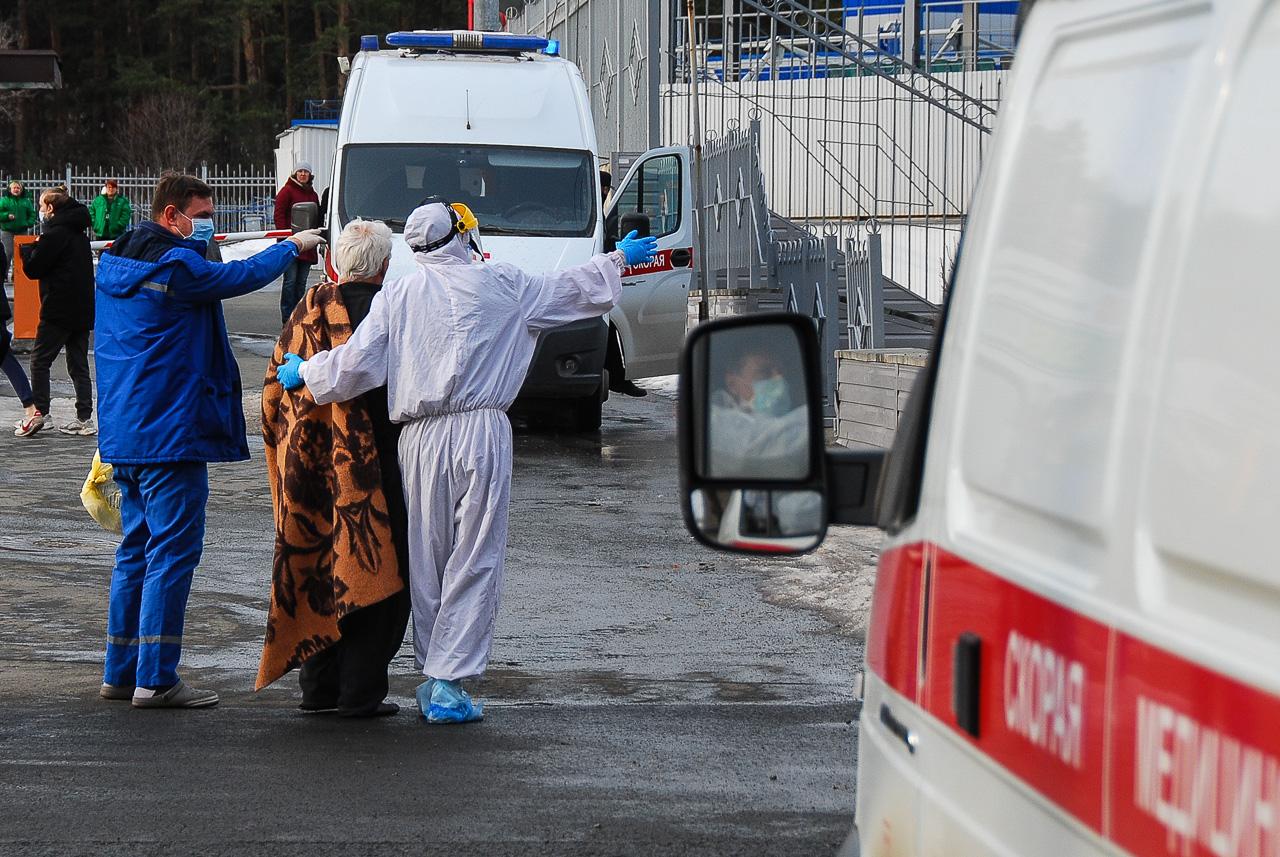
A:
244, 195
618, 46
733, 213
870, 110
852, 132
808, 279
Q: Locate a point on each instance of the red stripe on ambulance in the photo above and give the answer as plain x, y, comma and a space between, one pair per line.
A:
661, 262
1043, 682
893, 640
1194, 755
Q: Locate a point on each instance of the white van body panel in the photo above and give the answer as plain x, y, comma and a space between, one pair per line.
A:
1103, 464
460, 98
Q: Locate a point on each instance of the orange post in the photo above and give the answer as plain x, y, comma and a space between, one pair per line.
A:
26, 294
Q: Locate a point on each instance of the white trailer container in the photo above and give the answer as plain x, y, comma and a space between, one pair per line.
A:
312, 142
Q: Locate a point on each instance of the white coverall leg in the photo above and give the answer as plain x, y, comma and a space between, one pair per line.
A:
457, 478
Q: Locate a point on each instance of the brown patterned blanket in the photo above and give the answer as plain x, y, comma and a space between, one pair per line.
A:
334, 551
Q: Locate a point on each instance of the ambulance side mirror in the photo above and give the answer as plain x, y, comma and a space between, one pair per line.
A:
637, 220
303, 216
755, 473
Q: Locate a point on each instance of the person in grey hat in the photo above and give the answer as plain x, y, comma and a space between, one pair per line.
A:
297, 189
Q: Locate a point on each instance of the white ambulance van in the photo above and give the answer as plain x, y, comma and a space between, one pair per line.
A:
499, 122
1074, 645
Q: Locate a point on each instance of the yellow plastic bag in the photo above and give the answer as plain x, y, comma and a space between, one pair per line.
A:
101, 496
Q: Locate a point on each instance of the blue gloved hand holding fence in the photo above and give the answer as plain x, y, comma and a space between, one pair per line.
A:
637, 250
289, 373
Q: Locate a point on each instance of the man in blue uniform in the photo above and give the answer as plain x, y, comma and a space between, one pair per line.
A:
169, 403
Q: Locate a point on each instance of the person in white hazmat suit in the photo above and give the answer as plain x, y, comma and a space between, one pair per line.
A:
452, 342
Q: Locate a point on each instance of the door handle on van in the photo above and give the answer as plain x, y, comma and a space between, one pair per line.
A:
681, 257
966, 681
897, 728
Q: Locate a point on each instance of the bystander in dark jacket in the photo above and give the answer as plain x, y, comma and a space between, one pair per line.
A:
298, 188
62, 262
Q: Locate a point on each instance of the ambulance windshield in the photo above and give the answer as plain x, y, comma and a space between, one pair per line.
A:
513, 191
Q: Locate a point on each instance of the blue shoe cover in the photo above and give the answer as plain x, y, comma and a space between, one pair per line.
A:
451, 704
424, 696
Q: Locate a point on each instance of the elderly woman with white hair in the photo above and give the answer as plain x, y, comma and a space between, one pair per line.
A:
339, 599
453, 341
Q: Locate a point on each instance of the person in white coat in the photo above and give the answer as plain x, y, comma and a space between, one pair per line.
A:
452, 342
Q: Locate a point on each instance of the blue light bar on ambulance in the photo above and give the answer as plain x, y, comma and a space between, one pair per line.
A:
466, 40
368, 43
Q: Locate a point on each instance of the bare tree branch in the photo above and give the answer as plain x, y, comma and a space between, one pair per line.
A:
165, 131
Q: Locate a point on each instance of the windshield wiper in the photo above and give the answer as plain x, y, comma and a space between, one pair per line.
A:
486, 229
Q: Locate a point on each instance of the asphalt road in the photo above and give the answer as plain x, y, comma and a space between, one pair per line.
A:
647, 696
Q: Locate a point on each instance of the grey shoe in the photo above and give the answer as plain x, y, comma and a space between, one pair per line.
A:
83, 428
116, 691
181, 695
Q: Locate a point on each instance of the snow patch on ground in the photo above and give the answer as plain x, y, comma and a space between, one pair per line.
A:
663, 385
245, 249
836, 581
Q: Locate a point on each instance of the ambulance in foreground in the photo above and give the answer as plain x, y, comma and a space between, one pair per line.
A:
1074, 644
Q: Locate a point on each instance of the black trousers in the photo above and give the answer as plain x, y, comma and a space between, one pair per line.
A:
50, 339
351, 675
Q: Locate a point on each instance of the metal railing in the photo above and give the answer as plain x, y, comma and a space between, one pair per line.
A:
807, 276
734, 208
244, 195
865, 288
852, 133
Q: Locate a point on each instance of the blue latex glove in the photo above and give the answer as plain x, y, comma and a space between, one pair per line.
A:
638, 250
289, 373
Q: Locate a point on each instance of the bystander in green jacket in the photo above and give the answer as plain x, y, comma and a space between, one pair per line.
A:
111, 212
17, 211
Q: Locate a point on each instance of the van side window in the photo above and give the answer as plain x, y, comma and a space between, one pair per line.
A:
655, 190
1209, 495
1051, 289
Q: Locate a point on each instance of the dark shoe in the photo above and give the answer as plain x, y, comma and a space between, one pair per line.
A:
382, 709
629, 388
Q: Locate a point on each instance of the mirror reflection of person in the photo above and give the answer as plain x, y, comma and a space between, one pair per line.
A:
781, 514
758, 429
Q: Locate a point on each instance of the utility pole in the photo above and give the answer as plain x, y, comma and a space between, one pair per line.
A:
700, 242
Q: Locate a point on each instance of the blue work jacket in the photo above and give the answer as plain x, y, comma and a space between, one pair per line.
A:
168, 385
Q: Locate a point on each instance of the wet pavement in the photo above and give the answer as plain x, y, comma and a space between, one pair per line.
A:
646, 695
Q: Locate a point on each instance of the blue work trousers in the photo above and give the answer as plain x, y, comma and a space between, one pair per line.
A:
162, 512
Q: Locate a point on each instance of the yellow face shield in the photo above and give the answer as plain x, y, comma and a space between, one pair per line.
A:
466, 220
